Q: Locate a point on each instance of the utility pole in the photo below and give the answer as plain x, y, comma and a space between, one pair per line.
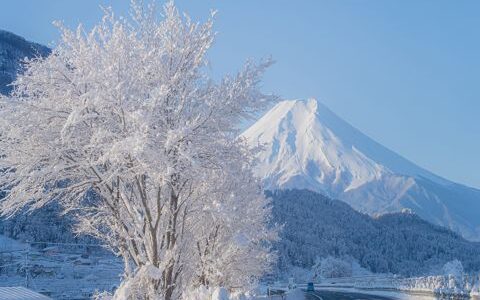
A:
26, 268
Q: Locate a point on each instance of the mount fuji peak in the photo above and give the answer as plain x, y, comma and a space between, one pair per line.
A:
306, 146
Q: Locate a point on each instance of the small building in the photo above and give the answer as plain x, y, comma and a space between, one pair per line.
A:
20, 293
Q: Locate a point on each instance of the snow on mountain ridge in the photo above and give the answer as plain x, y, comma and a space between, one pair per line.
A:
334, 163
306, 146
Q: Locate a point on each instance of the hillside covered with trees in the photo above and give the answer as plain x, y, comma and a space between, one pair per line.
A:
315, 226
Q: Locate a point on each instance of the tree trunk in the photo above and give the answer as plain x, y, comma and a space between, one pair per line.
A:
169, 278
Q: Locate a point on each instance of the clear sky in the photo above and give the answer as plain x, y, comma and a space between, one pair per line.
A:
405, 72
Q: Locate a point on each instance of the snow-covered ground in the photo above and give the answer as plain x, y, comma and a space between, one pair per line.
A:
458, 285
222, 294
66, 271
60, 271
390, 294
8, 244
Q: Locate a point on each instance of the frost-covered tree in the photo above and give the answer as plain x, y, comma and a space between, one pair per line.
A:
226, 229
122, 126
454, 268
331, 267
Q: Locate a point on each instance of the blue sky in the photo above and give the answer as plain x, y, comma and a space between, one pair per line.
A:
406, 72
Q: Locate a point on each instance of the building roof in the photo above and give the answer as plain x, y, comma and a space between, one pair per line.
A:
20, 293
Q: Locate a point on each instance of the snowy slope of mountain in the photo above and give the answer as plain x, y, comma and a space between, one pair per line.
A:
13, 49
306, 146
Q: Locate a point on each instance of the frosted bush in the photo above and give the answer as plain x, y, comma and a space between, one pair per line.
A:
220, 294
296, 294
331, 267
454, 268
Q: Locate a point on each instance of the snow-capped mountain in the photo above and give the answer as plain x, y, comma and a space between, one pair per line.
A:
13, 49
307, 146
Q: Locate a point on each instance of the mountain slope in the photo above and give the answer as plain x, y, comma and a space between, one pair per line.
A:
315, 226
306, 146
13, 49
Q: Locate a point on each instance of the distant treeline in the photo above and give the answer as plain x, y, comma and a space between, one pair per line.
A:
400, 243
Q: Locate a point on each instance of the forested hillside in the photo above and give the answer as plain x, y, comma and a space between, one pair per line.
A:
315, 226
401, 243
13, 49
43, 225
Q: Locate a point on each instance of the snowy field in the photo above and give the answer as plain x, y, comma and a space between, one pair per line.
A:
60, 271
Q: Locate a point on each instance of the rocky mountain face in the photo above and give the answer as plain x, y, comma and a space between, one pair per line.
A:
307, 146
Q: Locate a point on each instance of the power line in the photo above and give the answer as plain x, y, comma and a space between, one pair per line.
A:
9, 265
69, 244
13, 250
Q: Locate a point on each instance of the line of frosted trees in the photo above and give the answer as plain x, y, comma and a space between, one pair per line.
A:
122, 126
